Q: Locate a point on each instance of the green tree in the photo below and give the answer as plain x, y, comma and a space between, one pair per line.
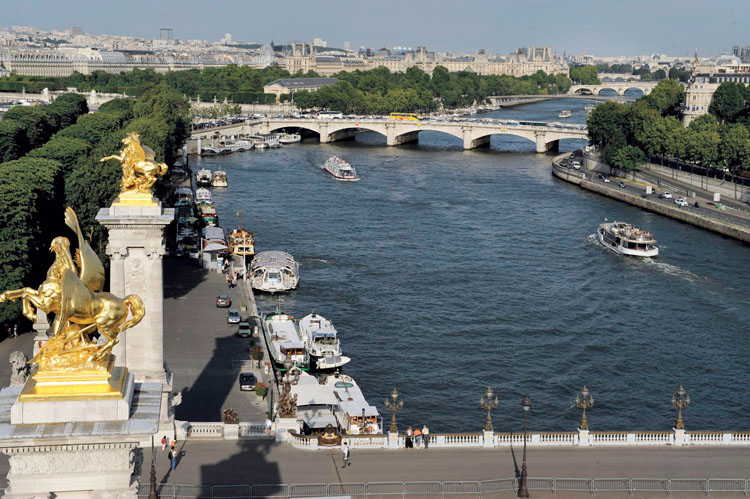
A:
734, 145
584, 75
728, 101
13, 140
65, 150
162, 104
627, 157
37, 123
667, 98
607, 124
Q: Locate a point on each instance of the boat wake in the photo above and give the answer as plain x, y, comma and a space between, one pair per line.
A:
672, 270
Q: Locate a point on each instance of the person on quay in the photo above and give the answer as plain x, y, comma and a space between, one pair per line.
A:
426, 436
269, 425
408, 442
164, 442
417, 437
345, 451
172, 457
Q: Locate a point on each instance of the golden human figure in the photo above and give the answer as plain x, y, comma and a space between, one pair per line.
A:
139, 168
73, 292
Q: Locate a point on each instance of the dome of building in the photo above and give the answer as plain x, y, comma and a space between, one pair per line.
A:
727, 60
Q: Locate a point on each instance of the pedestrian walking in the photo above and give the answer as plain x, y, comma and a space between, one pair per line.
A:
172, 458
173, 443
408, 442
164, 442
346, 455
10, 331
426, 436
417, 437
269, 425
15, 330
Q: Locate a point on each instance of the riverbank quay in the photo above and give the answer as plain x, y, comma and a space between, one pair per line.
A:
449, 471
204, 352
734, 224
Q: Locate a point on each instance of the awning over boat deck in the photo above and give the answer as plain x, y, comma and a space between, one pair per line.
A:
212, 246
317, 418
313, 395
354, 408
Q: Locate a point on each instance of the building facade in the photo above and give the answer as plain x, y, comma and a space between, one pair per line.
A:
286, 86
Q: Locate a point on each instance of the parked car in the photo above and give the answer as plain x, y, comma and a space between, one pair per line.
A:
244, 330
223, 301
233, 316
621, 184
247, 381
680, 202
606, 180
665, 195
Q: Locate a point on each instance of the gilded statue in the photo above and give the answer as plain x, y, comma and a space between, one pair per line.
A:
73, 292
139, 166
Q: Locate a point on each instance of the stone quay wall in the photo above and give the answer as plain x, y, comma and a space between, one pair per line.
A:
581, 178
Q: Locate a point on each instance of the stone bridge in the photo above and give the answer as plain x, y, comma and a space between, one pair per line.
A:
472, 133
618, 86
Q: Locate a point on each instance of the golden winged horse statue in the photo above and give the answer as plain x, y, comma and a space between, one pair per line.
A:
139, 166
73, 292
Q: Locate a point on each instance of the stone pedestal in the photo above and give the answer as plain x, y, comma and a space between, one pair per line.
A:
283, 426
584, 438
680, 438
488, 438
59, 458
136, 247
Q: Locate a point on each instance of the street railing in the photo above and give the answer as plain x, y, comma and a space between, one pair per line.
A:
665, 486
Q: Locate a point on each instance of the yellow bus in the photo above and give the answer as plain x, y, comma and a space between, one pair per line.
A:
404, 116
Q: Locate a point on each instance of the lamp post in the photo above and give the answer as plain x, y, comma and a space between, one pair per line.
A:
584, 401
681, 400
488, 403
522, 490
152, 492
362, 423
394, 404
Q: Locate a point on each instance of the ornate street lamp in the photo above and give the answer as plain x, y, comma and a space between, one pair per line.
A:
584, 401
681, 400
522, 490
488, 403
363, 423
394, 404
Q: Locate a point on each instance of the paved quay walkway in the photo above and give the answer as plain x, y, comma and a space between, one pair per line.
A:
266, 462
202, 349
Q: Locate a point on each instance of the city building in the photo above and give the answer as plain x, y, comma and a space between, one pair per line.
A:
706, 79
286, 86
319, 42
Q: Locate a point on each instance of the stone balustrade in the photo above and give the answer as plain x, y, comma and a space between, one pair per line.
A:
581, 438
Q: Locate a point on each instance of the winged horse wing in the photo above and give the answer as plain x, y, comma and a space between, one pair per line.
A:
91, 268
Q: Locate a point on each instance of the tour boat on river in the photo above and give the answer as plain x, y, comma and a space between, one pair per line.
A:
284, 342
625, 239
340, 169
203, 195
565, 113
290, 138
274, 272
219, 179
203, 178
241, 243
321, 341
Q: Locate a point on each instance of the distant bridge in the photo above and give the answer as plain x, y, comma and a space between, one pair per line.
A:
473, 133
618, 86
515, 100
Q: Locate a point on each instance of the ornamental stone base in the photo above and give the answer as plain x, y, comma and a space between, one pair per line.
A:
78, 459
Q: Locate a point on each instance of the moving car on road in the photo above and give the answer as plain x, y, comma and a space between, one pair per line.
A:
621, 184
680, 202
223, 301
665, 195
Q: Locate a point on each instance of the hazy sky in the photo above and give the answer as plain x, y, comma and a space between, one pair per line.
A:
600, 27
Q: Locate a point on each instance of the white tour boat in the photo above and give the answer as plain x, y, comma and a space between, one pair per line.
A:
321, 341
625, 239
565, 113
203, 195
283, 341
290, 138
203, 177
340, 169
219, 179
274, 272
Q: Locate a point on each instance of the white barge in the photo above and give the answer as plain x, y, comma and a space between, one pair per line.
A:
274, 272
322, 343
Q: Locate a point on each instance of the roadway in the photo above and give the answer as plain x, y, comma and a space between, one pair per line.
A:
266, 462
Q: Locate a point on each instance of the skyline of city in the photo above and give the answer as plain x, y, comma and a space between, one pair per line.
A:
644, 27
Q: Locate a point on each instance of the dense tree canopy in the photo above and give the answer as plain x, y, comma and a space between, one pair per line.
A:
584, 75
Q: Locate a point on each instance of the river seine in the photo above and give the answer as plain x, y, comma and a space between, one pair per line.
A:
446, 271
